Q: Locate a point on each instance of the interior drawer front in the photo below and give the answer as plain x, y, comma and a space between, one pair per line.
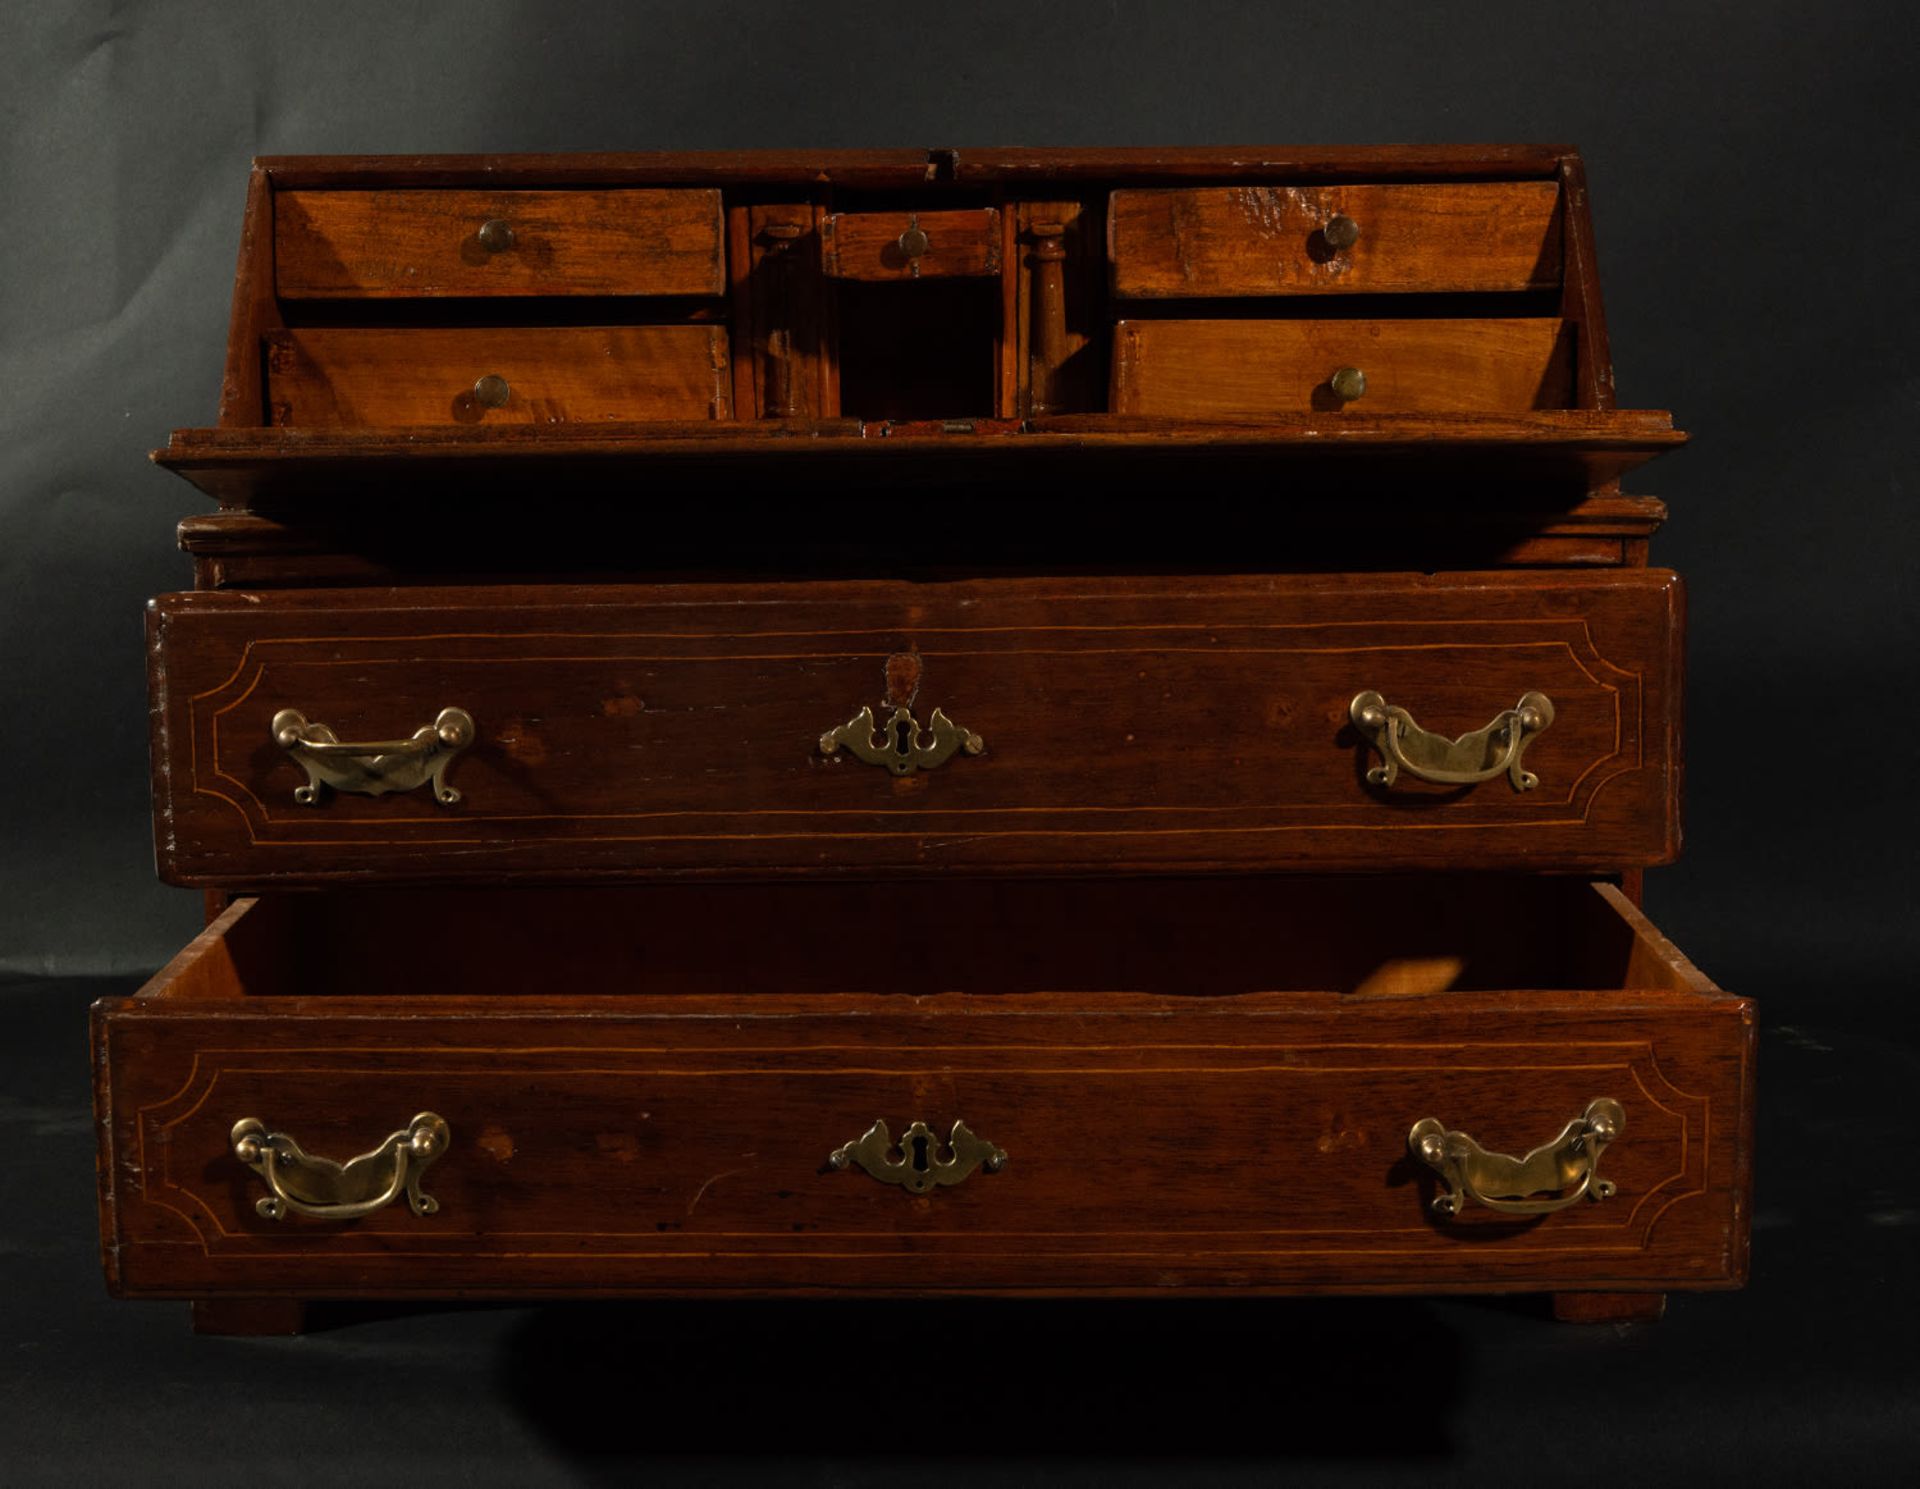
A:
1215, 369
1189, 242
1259, 1141
643, 730
384, 376
405, 244
911, 245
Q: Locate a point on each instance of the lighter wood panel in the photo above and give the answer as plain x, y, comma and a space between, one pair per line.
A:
1269, 240
333, 244
1214, 369
867, 245
380, 377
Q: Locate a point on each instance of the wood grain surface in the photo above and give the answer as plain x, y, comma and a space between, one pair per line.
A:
383, 377
1270, 240
1156, 1141
1247, 368
866, 245
424, 243
1128, 724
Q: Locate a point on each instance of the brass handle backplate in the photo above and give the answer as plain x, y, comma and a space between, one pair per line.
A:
374, 769
341, 1191
899, 744
1479, 756
919, 1166
1568, 1168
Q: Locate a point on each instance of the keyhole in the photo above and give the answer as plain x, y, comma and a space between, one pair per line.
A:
903, 738
920, 1155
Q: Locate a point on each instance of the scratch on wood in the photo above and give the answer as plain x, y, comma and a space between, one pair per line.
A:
700, 1193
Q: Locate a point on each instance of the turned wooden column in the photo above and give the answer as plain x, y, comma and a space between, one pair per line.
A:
1048, 344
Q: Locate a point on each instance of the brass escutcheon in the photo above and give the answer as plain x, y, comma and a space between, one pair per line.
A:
899, 744
374, 769
1568, 1168
341, 1191
919, 1166
1479, 756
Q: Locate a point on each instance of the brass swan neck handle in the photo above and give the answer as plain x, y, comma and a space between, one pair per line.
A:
377, 767
1472, 758
306, 1185
1568, 1168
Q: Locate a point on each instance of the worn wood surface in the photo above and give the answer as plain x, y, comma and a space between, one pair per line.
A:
1253, 240
1244, 368
382, 377
409, 243
1129, 724
255, 311
1580, 300
671, 1142
866, 245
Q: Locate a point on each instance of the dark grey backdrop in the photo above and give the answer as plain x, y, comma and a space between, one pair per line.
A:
1752, 180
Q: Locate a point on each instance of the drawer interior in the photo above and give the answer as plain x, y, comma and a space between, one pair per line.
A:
1347, 938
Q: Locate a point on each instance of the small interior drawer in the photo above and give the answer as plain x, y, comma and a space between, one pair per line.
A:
1189, 242
383, 376
1192, 1085
911, 245
401, 244
1248, 368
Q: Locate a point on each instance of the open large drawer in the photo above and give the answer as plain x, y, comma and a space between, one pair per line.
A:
1164, 1085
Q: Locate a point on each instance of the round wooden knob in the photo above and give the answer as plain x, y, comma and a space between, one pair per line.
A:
492, 391
496, 234
913, 242
1341, 231
1348, 384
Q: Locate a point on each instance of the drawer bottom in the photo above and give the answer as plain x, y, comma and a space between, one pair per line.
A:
632, 1105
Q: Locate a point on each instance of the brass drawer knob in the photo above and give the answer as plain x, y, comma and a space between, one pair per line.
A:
1341, 231
1348, 384
899, 744
1567, 1169
1479, 756
492, 391
341, 1191
375, 768
496, 235
913, 242
919, 1166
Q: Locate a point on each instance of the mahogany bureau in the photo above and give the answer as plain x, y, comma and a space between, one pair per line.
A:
1009, 721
